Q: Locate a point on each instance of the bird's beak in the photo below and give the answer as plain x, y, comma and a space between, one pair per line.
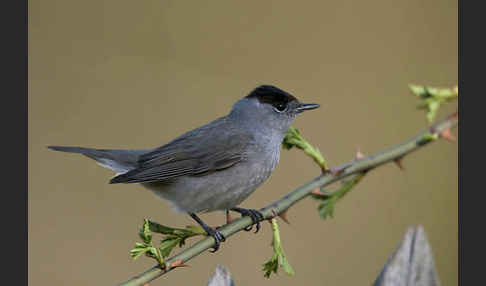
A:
306, 106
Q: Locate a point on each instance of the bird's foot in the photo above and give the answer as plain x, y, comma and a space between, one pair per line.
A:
218, 236
256, 217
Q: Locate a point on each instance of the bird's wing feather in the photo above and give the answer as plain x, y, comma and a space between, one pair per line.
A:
210, 148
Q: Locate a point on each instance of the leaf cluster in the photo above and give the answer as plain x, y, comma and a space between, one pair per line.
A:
173, 237
432, 98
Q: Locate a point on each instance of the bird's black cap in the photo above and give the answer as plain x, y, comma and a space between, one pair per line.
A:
271, 95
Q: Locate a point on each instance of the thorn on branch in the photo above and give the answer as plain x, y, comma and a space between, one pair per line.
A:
283, 216
359, 155
318, 193
453, 116
229, 218
178, 263
336, 172
398, 162
447, 135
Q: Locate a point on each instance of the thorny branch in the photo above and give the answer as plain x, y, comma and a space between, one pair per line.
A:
279, 207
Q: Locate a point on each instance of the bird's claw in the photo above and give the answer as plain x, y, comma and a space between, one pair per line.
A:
256, 217
218, 238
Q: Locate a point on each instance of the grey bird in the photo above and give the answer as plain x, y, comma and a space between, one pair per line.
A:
216, 166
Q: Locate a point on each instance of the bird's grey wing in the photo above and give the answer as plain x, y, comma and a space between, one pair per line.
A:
199, 152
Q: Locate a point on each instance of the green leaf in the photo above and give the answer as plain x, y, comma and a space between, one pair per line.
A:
286, 265
139, 250
270, 266
418, 90
278, 258
326, 208
158, 228
196, 230
140, 245
167, 245
446, 93
144, 233
155, 253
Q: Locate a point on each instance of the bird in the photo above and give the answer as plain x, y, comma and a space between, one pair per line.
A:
214, 167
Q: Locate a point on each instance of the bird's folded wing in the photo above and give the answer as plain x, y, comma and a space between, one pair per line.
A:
196, 153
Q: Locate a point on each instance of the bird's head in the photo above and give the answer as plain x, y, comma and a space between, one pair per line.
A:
269, 107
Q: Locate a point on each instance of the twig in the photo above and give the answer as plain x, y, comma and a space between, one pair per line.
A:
365, 164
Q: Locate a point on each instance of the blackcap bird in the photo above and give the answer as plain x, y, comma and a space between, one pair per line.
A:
216, 166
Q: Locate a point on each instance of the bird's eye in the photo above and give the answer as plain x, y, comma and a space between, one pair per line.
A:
280, 107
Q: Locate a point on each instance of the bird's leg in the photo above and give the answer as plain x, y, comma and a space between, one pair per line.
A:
256, 217
218, 236
228, 220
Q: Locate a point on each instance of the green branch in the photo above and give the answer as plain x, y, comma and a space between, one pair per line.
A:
355, 167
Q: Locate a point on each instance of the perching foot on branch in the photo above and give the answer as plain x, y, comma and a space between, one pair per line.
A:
256, 217
218, 236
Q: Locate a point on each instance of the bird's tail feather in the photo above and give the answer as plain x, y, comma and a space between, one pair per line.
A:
120, 161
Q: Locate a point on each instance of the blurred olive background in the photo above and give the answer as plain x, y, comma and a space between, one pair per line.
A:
136, 74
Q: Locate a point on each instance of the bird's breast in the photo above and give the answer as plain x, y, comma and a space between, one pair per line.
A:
262, 163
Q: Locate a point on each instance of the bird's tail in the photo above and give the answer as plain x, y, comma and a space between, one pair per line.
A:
120, 161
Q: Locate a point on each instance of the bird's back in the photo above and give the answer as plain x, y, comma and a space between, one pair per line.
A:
207, 149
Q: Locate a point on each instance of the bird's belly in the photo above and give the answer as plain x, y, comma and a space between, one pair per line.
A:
216, 191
